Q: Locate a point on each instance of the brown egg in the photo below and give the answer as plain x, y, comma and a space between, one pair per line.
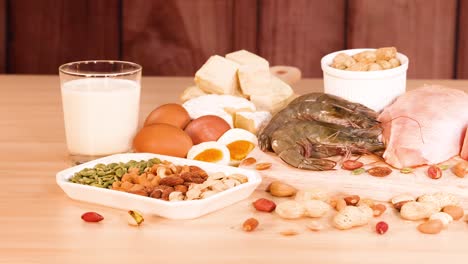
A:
172, 114
206, 128
162, 139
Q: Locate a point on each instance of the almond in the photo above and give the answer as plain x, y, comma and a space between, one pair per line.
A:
263, 166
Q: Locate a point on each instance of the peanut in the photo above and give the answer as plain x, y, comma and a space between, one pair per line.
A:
366, 201
264, 205
92, 217
290, 210
248, 161
358, 66
378, 209
431, 227
342, 61
352, 200
263, 166
250, 225
352, 216
456, 212
434, 172
460, 169
374, 67
315, 208
386, 53
418, 210
394, 62
443, 217
314, 226
312, 194
441, 199
351, 164
289, 232
340, 204
367, 56
280, 189
399, 200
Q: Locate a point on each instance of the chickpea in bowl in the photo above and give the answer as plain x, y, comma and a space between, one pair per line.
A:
368, 60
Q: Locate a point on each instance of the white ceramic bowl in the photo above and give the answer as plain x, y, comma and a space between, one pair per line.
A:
148, 205
374, 89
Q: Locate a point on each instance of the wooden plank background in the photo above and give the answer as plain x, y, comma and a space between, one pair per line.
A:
423, 30
48, 33
301, 32
3, 33
175, 37
462, 54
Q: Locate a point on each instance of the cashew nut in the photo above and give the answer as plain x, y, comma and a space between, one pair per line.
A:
418, 210
352, 216
176, 196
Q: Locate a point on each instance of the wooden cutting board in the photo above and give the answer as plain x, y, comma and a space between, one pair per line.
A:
343, 182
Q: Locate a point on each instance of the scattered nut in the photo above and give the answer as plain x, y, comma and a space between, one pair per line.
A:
315, 208
181, 188
441, 199
351, 164
250, 225
340, 204
434, 172
366, 201
460, 169
311, 194
264, 205
135, 218
289, 232
280, 189
456, 212
443, 217
381, 228
263, 166
399, 200
290, 210
431, 227
314, 226
378, 209
92, 217
418, 210
379, 171
352, 200
352, 216
248, 161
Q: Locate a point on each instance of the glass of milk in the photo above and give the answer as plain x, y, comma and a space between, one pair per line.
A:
100, 106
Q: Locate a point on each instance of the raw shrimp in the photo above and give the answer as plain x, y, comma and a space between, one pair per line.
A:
327, 109
306, 144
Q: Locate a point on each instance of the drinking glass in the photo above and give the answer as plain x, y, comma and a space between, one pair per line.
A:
100, 101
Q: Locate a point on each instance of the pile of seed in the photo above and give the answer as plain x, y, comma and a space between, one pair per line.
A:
104, 176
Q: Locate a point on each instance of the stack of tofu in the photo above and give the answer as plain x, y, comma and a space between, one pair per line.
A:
242, 74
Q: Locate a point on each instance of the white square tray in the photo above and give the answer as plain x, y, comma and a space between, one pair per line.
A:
173, 210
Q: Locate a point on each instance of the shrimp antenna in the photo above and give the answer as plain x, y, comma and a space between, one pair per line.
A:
417, 122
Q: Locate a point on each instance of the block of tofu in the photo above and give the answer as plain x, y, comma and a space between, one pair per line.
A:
254, 72
191, 92
243, 57
279, 96
223, 106
251, 121
218, 75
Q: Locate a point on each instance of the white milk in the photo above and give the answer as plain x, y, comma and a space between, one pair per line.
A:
101, 115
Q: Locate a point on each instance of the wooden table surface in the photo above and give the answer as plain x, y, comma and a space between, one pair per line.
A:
40, 224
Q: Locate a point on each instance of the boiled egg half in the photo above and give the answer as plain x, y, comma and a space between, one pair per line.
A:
210, 151
239, 142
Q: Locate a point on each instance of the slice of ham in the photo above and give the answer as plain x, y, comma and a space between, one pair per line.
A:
425, 126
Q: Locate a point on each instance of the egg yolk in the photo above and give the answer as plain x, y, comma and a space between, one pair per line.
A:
209, 155
240, 149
